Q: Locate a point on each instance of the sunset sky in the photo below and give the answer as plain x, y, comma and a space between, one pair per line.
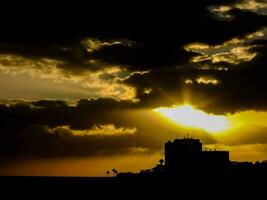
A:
83, 93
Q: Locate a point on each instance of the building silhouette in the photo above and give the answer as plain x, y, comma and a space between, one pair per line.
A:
186, 155
186, 161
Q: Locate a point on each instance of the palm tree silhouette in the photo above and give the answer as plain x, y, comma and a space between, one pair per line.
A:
115, 172
161, 161
107, 173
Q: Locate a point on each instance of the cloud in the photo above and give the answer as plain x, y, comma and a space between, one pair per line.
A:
144, 41
203, 80
105, 82
120, 65
108, 129
41, 141
92, 44
256, 6
241, 84
235, 56
143, 57
45, 129
207, 80
104, 58
234, 51
91, 128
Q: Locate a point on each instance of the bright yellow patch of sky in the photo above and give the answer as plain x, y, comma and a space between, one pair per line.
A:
187, 115
190, 117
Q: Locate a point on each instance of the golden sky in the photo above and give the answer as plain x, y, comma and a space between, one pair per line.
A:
102, 92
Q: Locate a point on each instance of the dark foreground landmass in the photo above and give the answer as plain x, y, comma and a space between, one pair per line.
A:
223, 185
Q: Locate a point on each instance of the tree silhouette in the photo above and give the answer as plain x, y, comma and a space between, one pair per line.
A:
161, 161
115, 172
108, 173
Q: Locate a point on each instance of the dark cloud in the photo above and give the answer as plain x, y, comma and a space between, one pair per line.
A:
56, 113
40, 141
51, 129
30, 129
156, 42
135, 39
241, 87
156, 55
33, 130
159, 36
244, 86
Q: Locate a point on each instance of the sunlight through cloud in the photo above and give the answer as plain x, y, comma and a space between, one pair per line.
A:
188, 116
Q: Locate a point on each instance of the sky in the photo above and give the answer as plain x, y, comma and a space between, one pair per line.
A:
88, 88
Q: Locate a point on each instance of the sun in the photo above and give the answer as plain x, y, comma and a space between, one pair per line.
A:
188, 116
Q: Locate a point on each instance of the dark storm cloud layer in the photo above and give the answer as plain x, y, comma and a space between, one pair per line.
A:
156, 40
159, 36
40, 141
47, 129
242, 87
56, 113
27, 129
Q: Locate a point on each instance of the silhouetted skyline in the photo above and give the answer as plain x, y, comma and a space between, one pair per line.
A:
185, 158
90, 88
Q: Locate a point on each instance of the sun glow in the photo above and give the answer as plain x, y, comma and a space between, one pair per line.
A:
188, 116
